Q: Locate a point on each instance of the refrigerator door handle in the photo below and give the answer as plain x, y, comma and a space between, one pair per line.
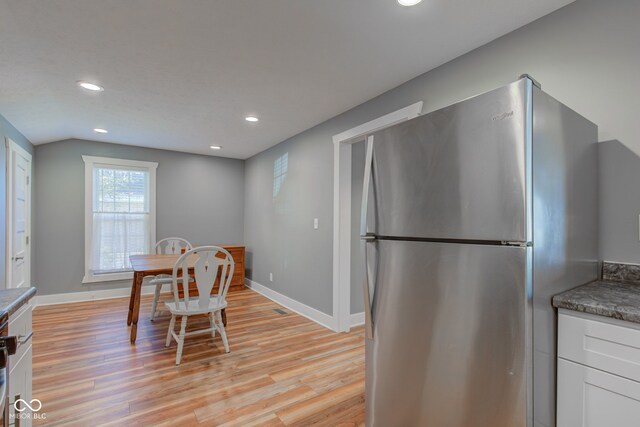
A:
368, 239
369, 283
366, 187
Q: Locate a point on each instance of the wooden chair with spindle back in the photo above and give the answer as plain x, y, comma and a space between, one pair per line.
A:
209, 268
170, 245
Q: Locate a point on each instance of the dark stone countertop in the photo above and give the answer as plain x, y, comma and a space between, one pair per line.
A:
12, 299
618, 300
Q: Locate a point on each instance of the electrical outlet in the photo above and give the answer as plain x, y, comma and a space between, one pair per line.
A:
271, 277
315, 223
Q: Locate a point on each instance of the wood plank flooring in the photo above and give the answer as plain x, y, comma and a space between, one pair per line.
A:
283, 370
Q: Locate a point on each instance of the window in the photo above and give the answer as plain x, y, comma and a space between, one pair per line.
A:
119, 215
280, 167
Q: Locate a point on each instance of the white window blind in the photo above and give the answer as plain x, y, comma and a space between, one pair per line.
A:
121, 221
120, 218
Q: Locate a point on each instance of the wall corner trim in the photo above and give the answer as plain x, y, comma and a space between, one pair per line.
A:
304, 310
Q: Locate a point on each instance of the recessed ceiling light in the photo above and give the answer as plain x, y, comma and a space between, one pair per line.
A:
100, 130
251, 119
215, 147
408, 2
90, 86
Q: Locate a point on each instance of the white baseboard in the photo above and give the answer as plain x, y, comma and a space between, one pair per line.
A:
88, 295
293, 305
356, 319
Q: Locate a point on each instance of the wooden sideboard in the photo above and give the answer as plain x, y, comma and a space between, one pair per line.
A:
237, 280
237, 252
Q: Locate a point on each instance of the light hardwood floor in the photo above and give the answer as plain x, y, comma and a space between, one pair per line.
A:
282, 369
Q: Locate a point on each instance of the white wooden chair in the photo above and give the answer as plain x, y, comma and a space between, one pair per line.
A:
207, 266
170, 245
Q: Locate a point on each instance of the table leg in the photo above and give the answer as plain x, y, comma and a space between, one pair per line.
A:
224, 317
137, 280
132, 299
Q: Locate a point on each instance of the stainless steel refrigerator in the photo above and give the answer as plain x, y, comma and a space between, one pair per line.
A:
473, 217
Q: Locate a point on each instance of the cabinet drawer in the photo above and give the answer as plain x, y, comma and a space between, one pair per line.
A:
20, 388
20, 325
600, 344
590, 397
238, 276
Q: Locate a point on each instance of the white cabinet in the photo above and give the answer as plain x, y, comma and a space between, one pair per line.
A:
20, 375
598, 371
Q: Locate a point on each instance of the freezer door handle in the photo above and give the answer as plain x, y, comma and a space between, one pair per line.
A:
367, 190
369, 283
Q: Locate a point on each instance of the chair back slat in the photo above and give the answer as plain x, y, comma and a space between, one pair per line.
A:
227, 273
180, 278
173, 246
207, 267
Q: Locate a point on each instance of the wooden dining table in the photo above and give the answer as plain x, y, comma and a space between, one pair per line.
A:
151, 265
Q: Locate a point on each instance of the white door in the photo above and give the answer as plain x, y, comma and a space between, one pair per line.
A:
589, 397
18, 216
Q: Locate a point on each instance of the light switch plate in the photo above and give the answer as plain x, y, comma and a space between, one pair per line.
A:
315, 223
271, 277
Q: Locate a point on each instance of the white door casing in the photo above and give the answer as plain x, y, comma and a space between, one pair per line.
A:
342, 207
18, 228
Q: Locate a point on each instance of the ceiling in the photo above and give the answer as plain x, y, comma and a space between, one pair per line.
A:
183, 74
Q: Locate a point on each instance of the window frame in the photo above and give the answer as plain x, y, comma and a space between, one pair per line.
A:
280, 174
89, 164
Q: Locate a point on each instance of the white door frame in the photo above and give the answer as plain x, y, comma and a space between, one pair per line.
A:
12, 148
342, 208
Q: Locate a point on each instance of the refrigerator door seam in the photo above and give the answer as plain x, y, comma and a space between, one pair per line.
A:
373, 237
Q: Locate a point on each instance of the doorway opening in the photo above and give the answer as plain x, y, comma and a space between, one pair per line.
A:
346, 214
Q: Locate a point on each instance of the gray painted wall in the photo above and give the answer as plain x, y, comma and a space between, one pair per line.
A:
198, 197
279, 230
7, 131
586, 55
619, 203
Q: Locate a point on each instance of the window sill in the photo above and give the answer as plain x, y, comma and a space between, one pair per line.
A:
111, 277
